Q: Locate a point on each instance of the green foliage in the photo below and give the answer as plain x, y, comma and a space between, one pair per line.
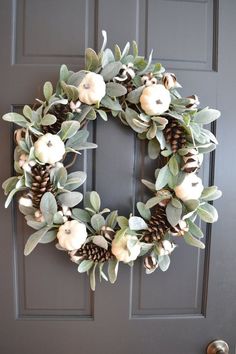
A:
48, 207
70, 199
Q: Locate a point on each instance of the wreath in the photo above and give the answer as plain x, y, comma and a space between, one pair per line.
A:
125, 86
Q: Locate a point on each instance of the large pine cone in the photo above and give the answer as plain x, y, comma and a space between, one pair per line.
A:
40, 183
60, 112
175, 135
90, 251
158, 225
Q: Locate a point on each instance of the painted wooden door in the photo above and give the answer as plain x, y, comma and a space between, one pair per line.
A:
45, 305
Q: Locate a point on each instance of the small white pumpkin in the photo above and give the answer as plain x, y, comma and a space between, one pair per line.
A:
49, 148
155, 100
190, 188
92, 88
72, 235
121, 251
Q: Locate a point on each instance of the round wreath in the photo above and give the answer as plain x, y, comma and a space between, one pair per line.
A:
144, 97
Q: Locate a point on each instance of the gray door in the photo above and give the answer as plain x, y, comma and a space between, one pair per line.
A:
45, 305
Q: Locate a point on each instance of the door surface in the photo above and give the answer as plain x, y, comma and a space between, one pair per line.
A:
45, 305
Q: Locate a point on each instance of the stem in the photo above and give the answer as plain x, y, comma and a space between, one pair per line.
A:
72, 162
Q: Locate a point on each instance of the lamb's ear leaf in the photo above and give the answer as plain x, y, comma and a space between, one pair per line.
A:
207, 213
91, 60
113, 266
111, 219
111, 70
136, 223
14, 117
95, 200
97, 221
192, 241
206, 116
70, 199
93, 277
162, 178
34, 239
47, 90
164, 262
85, 265
81, 215
173, 214
144, 211
48, 206
68, 129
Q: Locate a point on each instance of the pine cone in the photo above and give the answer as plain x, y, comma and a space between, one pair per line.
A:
158, 225
40, 183
60, 112
175, 135
90, 251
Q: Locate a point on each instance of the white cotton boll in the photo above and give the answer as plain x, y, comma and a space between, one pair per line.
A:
25, 201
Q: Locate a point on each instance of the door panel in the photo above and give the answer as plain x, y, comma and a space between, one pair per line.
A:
46, 306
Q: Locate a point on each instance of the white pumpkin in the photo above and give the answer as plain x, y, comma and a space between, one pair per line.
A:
155, 100
190, 188
121, 251
72, 235
49, 148
92, 88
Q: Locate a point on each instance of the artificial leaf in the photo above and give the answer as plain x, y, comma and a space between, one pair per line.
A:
92, 277
9, 184
113, 265
206, 116
70, 199
164, 262
194, 229
192, 241
134, 95
111, 70
68, 129
81, 215
47, 90
95, 201
111, 104
173, 165
173, 214
50, 236
102, 114
207, 213
48, 206
100, 241
136, 223
91, 60
75, 180
97, 221
34, 239
111, 219
48, 119
114, 89
162, 178
85, 265
143, 210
